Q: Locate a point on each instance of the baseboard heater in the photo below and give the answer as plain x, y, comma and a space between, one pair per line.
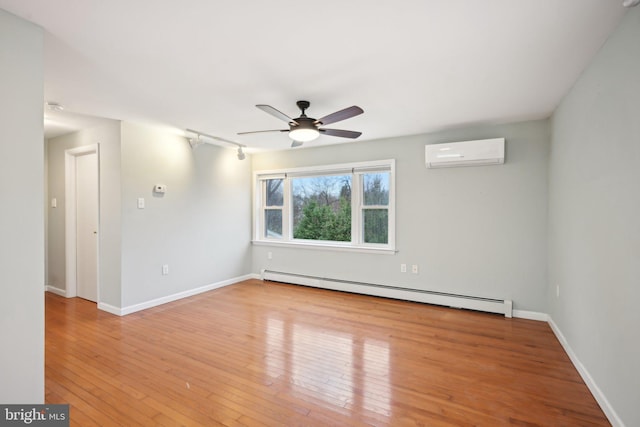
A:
429, 297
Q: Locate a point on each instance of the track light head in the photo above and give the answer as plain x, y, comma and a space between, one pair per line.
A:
195, 142
54, 106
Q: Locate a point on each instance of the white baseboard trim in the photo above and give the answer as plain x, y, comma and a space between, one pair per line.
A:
608, 410
531, 315
174, 297
55, 290
109, 308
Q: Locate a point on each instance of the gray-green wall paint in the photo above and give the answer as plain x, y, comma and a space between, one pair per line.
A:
22, 213
108, 139
200, 227
594, 219
474, 231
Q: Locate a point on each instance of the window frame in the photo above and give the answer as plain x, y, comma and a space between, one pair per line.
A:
265, 207
356, 171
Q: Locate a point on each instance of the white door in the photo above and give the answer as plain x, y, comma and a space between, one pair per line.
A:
87, 226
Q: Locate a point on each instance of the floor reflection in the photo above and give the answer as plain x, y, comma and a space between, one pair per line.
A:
376, 377
330, 365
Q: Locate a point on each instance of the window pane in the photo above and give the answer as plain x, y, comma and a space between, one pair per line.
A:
322, 208
273, 223
376, 188
274, 192
376, 225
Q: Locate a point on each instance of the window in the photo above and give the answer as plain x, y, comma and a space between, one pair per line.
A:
340, 206
375, 209
273, 198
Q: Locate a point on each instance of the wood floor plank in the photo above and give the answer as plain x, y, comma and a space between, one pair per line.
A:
259, 353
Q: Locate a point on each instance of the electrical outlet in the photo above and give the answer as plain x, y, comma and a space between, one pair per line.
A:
269, 255
414, 268
140, 202
557, 291
403, 268
165, 270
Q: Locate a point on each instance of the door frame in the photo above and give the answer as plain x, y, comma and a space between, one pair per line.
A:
70, 155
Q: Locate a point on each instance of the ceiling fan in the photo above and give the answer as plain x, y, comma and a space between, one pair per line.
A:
304, 129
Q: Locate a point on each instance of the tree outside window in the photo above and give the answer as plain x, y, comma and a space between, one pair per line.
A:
322, 208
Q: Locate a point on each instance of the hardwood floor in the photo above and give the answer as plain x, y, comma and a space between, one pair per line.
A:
267, 354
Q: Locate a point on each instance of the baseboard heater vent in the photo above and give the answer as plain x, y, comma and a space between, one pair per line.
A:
417, 295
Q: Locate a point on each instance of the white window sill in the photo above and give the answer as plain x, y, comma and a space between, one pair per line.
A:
326, 247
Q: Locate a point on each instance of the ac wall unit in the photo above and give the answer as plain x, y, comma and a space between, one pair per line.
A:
466, 153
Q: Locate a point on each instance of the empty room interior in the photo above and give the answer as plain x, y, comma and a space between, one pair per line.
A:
348, 213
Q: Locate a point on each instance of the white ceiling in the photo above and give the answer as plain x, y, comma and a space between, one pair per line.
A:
414, 66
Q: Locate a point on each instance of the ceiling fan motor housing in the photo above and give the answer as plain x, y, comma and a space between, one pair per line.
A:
303, 122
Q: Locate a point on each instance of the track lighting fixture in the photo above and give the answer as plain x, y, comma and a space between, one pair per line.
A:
198, 140
195, 142
54, 106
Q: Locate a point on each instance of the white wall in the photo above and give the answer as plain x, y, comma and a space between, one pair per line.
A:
22, 213
200, 227
594, 219
475, 231
108, 138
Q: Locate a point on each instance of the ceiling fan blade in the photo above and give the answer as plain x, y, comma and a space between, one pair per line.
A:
275, 113
347, 113
295, 144
342, 133
261, 131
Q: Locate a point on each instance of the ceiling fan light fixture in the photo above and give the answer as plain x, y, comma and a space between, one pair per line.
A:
303, 134
305, 128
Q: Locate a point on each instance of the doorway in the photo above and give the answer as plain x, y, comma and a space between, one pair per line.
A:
82, 222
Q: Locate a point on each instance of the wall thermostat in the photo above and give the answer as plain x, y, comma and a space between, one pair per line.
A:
160, 188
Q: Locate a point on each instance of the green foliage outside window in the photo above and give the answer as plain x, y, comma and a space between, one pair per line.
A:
322, 208
321, 222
